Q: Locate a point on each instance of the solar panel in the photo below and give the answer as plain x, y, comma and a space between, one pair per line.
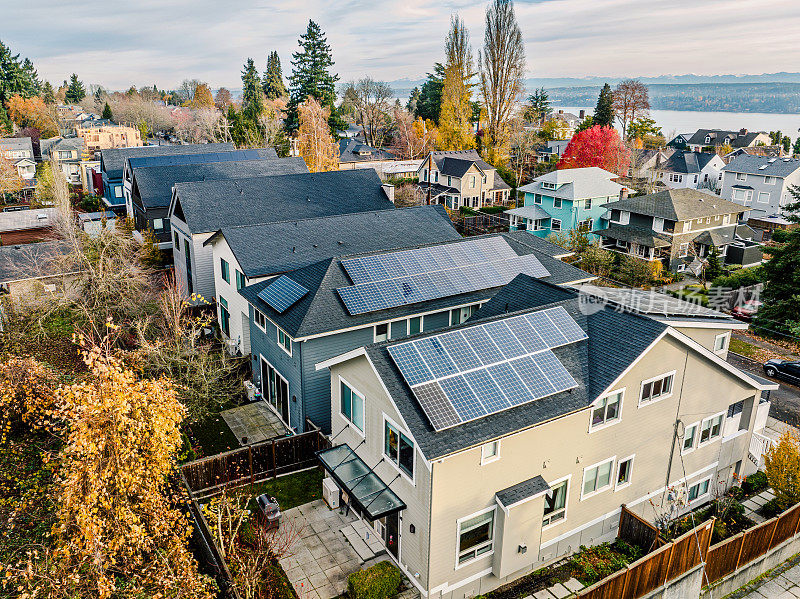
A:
282, 293
482, 369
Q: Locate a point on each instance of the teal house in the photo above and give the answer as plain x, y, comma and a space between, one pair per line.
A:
566, 199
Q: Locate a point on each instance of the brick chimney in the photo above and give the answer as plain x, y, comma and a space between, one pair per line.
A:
742, 132
623, 193
582, 114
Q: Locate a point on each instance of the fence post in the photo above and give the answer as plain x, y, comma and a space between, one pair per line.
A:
741, 548
797, 526
625, 582
669, 562
274, 462
250, 460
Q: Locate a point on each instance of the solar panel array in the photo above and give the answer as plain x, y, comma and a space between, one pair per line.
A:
410, 276
282, 293
472, 372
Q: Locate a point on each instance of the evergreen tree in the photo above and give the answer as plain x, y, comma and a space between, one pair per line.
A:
107, 112
273, 78
429, 103
787, 144
714, 266
32, 83
796, 146
6, 128
311, 76
411, 105
15, 76
75, 90
538, 106
48, 93
604, 111
252, 96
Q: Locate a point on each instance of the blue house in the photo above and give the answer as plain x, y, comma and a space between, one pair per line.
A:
340, 304
566, 199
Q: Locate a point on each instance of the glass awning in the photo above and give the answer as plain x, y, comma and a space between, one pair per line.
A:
365, 488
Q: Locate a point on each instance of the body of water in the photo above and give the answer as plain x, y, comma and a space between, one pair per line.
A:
673, 122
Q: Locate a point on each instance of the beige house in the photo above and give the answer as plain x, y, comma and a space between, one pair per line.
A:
461, 178
103, 135
491, 449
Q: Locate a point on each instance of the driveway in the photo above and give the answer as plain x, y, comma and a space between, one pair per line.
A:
785, 400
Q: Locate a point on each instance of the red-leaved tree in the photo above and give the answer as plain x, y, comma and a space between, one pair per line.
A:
598, 146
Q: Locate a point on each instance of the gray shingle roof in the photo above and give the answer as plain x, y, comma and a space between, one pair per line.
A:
737, 138
272, 248
112, 160
779, 167
212, 205
153, 184
687, 162
322, 310
16, 144
459, 161
677, 205
349, 148
576, 183
651, 302
32, 260
646, 237
537, 243
201, 158
522, 491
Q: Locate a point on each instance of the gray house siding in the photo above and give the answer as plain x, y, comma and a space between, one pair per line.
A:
439, 320
399, 329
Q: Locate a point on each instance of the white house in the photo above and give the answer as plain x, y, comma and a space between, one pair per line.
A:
693, 170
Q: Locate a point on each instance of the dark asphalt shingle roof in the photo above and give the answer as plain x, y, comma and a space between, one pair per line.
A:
539, 244
16, 144
153, 184
737, 139
112, 160
687, 162
646, 237
349, 152
272, 248
748, 164
521, 491
677, 205
322, 310
33, 260
201, 158
212, 205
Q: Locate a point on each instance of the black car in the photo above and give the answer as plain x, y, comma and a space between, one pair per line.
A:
783, 369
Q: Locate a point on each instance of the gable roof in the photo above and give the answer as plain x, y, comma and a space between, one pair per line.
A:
576, 183
112, 160
208, 206
47, 146
687, 162
677, 204
200, 157
457, 162
11, 144
271, 248
153, 184
774, 167
738, 139
349, 148
322, 311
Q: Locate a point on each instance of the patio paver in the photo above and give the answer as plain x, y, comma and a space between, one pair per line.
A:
255, 422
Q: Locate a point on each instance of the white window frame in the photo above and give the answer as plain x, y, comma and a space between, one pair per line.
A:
695, 437
350, 423
492, 541
553, 222
263, 324
156, 227
286, 336
400, 430
537, 198
388, 326
568, 480
769, 180
617, 484
725, 342
597, 491
606, 423
762, 194
697, 484
741, 176
557, 203
421, 324
651, 401
490, 458
718, 436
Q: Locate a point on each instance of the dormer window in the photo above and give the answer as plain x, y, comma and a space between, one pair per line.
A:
548, 185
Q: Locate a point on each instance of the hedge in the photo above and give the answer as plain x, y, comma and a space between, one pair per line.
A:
378, 582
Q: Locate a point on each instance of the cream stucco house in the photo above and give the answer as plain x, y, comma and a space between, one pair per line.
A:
486, 450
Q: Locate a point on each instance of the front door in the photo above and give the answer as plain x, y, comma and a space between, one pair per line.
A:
388, 528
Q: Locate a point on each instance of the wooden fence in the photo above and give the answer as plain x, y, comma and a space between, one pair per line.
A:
671, 559
255, 463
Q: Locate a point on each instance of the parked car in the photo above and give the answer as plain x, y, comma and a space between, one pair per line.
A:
747, 310
270, 510
783, 369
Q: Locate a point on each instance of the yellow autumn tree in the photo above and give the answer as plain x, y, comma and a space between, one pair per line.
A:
203, 97
315, 142
783, 469
10, 181
33, 112
455, 116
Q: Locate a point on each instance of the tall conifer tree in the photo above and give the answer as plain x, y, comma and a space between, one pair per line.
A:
273, 78
604, 111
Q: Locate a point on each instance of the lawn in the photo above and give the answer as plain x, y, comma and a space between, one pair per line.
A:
212, 436
744, 348
290, 490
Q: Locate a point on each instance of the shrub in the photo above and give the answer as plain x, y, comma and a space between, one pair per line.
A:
744, 277
378, 582
736, 493
492, 209
754, 483
771, 509
591, 564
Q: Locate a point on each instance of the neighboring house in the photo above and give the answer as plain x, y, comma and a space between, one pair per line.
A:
112, 163
565, 199
571, 121
250, 254
695, 170
151, 186
352, 132
760, 184
672, 226
646, 163
716, 138
680, 141
30, 272
767, 151
27, 226
68, 152
103, 135
551, 151
504, 444
461, 178
343, 303
201, 208
353, 154
92, 223
19, 151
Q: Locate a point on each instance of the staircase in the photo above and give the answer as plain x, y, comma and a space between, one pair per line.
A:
364, 540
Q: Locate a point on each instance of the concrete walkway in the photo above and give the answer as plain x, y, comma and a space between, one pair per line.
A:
253, 423
756, 502
782, 583
559, 591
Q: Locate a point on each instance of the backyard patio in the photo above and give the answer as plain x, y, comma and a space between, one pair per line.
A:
253, 423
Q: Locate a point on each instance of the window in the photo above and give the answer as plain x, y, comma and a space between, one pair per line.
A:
585, 225
381, 332
260, 319
436, 176
657, 388
597, 478
624, 217
608, 411
449, 181
158, 224
726, 219
284, 341
741, 177
735, 409
241, 282
398, 449
769, 180
118, 192
352, 406
763, 197
710, 429
226, 270
658, 225
425, 174
459, 315
624, 468
475, 536
472, 181
484, 179
708, 220
188, 255
224, 317
695, 178
548, 185
587, 204
556, 202
555, 224
699, 490
490, 452
537, 198
738, 194
689, 437
683, 250
721, 342
414, 325
177, 244
555, 503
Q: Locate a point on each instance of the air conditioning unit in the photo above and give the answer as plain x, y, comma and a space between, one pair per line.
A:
330, 493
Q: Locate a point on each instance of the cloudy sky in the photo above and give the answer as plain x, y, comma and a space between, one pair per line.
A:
116, 43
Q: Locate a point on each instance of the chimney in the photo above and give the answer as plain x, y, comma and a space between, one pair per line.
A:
742, 131
582, 114
623, 193
560, 111
388, 189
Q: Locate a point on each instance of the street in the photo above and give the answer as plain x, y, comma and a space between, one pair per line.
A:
785, 400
